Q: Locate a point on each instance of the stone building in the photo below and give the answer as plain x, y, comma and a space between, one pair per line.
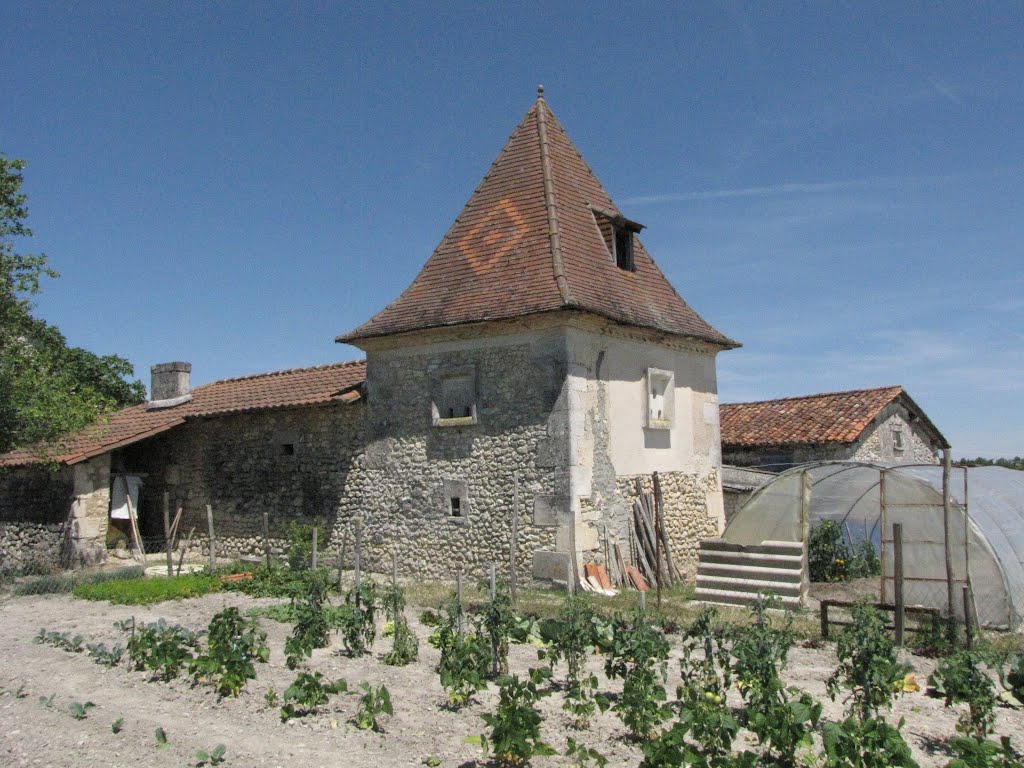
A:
876, 425
539, 348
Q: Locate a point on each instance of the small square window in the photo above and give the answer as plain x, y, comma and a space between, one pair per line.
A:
455, 504
660, 399
287, 449
897, 440
455, 500
454, 402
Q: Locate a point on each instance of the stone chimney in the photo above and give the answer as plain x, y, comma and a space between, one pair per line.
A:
170, 385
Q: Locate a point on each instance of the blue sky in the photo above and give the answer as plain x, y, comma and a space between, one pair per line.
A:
838, 185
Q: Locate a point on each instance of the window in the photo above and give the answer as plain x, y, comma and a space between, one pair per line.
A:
456, 506
624, 249
455, 498
660, 399
287, 449
897, 439
454, 402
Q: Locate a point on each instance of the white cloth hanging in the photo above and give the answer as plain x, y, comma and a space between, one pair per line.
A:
125, 487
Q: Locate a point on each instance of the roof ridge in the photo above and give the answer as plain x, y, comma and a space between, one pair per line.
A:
282, 372
818, 394
551, 203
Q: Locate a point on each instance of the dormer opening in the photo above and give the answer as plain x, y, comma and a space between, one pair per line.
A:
618, 232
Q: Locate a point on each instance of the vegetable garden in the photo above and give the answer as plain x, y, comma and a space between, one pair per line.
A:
284, 670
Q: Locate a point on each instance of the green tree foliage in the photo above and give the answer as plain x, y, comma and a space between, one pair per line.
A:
1017, 462
47, 389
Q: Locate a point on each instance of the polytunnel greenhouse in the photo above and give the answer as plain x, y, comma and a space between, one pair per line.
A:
986, 531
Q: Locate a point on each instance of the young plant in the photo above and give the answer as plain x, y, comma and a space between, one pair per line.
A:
312, 629
372, 703
573, 637
214, 757
639, 655
959, 679
868, 664
356, 620
584, 756
515, 725
117, 725
162, 648
782, 718
102, 655
498, 622
984, 753
80, 711
307, 693
63, 640
161, 738
406, 646
234, 643
866, 742
465, 657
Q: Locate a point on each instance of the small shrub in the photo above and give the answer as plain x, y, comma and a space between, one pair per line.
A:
639, 655
300, 544
234, 643
830, 559
357, 618
162, 648
865, 742
372, 703
465, 657
498, 623
959, 679
307, 693
515, 725
405, 647
309, 613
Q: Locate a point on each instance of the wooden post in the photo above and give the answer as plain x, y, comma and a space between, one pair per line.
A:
570, 582
805, 534
313, 557
947, 522
213, 544
657, 538
357, 565
184, 549
458, 600
167, 533
266, 536
493, 582
643, 602
897, 575
968, 618
341, 560
514, 544
823, 611
394, 570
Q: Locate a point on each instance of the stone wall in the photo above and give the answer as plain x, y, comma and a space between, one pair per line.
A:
687, 515
295, 464
415, 466
35, 503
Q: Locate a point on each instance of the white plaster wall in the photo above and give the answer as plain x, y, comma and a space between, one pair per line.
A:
693, 442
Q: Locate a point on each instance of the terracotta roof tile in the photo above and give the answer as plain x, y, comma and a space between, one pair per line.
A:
320, 385
831, 417
497, 261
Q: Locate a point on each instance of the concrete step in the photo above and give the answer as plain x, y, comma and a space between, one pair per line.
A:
753, 558
705, 568
752, 586
764, 548
731, 597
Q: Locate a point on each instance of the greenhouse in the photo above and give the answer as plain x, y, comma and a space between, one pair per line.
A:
986, 529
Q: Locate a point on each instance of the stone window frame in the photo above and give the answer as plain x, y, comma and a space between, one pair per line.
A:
287, 444
668, 412
443, 380
899, 444
455, 491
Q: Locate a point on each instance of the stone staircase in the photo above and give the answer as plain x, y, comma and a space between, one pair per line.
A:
735, 574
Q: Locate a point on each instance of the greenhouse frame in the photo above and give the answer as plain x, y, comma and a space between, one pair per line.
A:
985, 530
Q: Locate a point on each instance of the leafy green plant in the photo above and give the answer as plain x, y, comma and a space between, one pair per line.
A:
1011, 675
109, 657
959, 679
214, 757
639, 655
865, 742
308, 692
270, 697
584, 756
161, 738
868, 665
117, 725
372, 703
164, 649
308, 609
357, 619
831, 559
63, 640
498, 623
300, 544
233, 644
80, 711
46, 702
572, 637
984, 753
405, 648
782, 718
515, 725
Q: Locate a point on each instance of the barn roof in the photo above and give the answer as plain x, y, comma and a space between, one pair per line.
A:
320, 385
536, 236
830, 417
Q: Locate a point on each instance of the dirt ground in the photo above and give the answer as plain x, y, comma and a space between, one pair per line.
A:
193, 717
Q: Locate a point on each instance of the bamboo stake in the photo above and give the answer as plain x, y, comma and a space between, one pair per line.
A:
266, 536
184, 549
514, 544
313, 557
135, 531
167, 533
213, 545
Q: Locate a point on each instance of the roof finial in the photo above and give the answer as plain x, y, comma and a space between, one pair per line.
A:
540, 91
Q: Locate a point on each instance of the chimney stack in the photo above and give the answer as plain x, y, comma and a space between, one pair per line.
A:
171, 384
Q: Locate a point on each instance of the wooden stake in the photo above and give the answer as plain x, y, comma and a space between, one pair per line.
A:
266, 536
493, 580
358, 564
394, 570
341, 560
184, 549
897, 574
135, 531
805, 535
458, 600
313, 557
947, 523
657, 537
968, 618
167, 533
514, 544
213, 545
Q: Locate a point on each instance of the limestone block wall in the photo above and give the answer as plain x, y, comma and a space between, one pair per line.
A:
34, 506
295, 464
90, 510
414, 467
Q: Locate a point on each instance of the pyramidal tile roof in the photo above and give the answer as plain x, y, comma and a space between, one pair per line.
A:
830, 417
529, 241
320, 385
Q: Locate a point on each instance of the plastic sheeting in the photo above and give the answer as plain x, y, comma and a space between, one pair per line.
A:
986, 535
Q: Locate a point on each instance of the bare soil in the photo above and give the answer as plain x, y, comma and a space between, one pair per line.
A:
194, 718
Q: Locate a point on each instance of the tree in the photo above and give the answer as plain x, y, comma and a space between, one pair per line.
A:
47, 389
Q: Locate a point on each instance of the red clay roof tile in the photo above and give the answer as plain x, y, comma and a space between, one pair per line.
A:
320, 385
497, 260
